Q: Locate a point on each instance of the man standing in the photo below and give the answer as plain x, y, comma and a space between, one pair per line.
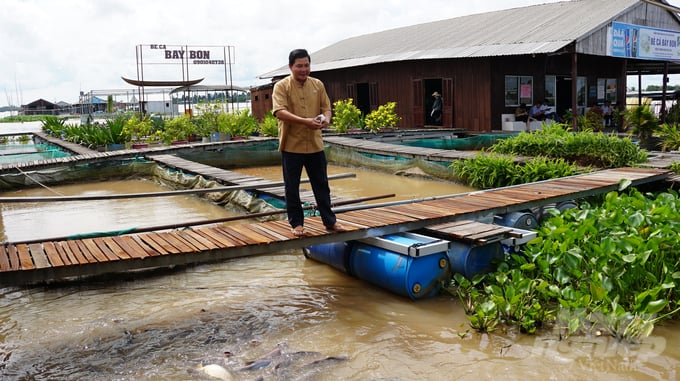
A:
303, 109
436, 113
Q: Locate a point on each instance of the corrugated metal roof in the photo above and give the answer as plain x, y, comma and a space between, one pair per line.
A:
536, 29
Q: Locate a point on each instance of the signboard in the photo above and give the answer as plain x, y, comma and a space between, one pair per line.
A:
635, 41
188, 55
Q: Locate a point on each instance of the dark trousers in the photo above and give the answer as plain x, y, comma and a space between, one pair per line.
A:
315, 165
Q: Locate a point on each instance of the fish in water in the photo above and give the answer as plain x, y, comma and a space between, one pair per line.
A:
280, 363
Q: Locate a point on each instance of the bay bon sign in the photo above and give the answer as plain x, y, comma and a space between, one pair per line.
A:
196, 55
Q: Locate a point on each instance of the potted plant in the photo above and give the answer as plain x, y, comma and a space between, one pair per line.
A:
246, 124
642, 122
178, 130
138, 129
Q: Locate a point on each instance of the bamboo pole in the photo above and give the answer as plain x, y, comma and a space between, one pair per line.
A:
193, 223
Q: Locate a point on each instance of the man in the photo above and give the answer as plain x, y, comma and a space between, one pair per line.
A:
436, 113
303, 109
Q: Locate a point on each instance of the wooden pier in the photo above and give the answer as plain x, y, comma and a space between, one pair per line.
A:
51, 261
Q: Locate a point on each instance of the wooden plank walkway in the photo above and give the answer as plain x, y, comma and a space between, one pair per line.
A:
227, 177
84, 155
24, 263
381, 148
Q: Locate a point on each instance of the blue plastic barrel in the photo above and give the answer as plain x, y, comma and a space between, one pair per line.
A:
470, 260
564, 205
334, 254
413, 277
518, 220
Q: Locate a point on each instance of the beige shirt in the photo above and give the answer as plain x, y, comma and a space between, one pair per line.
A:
307, 101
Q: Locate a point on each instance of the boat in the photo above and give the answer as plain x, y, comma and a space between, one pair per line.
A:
135, 82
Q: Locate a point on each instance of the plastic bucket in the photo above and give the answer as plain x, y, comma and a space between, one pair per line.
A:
413, 277
470, 260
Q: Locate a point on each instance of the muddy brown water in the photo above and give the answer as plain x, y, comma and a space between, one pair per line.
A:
322, 324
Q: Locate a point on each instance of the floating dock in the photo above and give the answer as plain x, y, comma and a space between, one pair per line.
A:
52, 261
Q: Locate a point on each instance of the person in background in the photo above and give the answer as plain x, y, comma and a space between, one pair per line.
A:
607, 111
303, 109
436, 112
536, 112
548, 111
521, 113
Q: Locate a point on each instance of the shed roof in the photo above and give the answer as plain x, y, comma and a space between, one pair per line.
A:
537, 29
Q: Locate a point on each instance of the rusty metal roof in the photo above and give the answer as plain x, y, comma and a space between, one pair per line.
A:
536, 29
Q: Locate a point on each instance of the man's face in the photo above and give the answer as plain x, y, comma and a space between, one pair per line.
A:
300, 69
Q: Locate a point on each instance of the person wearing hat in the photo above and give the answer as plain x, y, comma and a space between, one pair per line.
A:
436, 113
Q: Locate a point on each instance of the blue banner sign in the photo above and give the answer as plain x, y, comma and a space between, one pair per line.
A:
635, 41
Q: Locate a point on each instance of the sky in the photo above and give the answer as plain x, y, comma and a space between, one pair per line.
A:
55, 49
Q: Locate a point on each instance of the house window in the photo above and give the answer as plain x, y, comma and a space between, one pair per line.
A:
550, 87
606, 90
518, 89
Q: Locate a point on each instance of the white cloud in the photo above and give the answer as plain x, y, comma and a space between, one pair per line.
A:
54, 49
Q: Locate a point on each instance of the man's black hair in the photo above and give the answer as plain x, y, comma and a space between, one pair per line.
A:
296, 54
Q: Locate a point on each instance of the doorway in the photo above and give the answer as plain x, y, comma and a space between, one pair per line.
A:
430, 87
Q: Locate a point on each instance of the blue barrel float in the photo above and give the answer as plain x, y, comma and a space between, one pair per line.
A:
334, 254
407, 264
469, 260
520, 220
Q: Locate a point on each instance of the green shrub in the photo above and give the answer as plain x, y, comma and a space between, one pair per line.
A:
670, 137
269, 125
176, 129
346, 116
585, 148
610, 268
486, 171
384, 117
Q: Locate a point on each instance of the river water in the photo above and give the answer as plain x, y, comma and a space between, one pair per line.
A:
299, 319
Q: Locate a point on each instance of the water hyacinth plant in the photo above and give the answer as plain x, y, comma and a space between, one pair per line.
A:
607, 269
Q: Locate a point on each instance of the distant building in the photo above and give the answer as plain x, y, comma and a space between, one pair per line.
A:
571, 54
40, 107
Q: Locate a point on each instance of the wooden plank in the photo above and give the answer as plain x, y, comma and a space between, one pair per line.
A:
98, 253
196, 240
254, 233
4, 259
25, 261
135, 241
39, 256
131, 248
235, 235
63, 248
176, 242
159, 244
221, 239
155, 242
104, 248
80, 257
75, 246
265, 228
55, 257
113, 246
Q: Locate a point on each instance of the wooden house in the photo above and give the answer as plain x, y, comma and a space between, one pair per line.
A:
569, 54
